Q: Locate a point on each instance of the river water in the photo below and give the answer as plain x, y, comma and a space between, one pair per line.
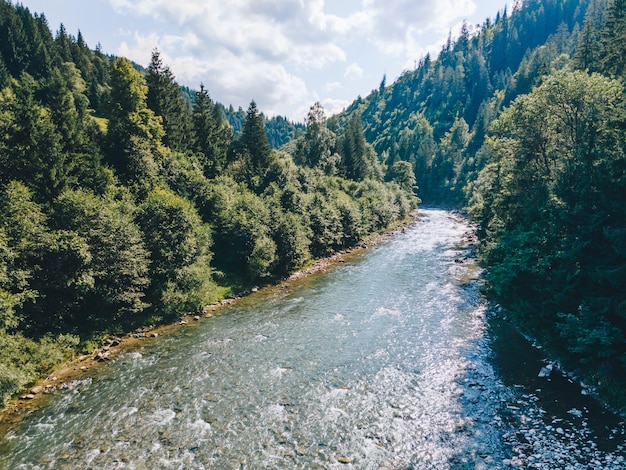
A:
391, 360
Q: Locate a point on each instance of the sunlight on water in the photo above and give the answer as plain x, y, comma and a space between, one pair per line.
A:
383, 363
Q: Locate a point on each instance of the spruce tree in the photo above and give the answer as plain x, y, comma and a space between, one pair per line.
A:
614, 39
165, 99
210, 136
255, 144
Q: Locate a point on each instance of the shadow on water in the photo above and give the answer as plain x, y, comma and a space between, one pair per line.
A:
550, 413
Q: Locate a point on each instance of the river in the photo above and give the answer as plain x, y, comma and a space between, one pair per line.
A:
391, 360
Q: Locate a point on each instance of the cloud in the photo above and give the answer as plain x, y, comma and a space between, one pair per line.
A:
353, 72
332, 86
241, 49
396, 25
262, 49
274, 30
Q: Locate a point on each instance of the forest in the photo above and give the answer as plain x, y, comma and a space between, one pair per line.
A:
522, 122
127, 200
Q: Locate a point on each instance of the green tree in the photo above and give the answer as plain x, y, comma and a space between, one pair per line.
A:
613, 39
212, 135
134, 132
316, 148
241, 221
23, 234
31, 151
80, 136
256, 147
551, 208
179, 245
164, 97
589, 49
118, 261
359, 160
402, 173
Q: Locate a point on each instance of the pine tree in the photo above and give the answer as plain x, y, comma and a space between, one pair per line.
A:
31, 151
589, 49
165, 99
614, 39
257, 149
210, 136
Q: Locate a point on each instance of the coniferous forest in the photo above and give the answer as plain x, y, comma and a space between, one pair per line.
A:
127, 200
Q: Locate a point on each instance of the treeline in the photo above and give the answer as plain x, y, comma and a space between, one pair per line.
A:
523, 122
125, 203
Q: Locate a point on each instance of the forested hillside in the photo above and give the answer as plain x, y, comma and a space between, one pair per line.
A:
127, 200
523, 121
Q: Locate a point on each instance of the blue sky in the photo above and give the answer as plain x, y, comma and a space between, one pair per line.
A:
284, 54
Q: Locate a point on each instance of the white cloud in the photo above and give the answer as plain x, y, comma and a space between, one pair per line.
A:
242, 49
398, 25
332, 86
275, 30
262, 49
334, 106
353, 72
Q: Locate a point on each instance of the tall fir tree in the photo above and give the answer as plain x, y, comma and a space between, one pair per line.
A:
165, 99
134, 132
614, 39
258, 152
210, 136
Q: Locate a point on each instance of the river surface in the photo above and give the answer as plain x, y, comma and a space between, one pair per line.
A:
391, 360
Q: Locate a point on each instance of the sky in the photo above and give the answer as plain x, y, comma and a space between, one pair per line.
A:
283, 54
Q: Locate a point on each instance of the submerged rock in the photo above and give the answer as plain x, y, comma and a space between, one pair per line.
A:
546, 371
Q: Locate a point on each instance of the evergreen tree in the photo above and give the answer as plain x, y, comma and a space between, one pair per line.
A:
211, 133
32, 150
134, 132
257, 150
359, 160
165, 99
589, 49
614, 39
316, 148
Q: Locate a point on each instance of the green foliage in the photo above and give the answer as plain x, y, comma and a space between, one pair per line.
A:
116, 270
317, 147
551, 209
255, 152
179, 246
31, 150
23, 361
212, 135
613, 39
24, 237
358, 159
118, 198
134, 132
241, 223
165, 99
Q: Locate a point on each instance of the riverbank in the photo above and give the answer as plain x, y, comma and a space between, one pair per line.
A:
88, 366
